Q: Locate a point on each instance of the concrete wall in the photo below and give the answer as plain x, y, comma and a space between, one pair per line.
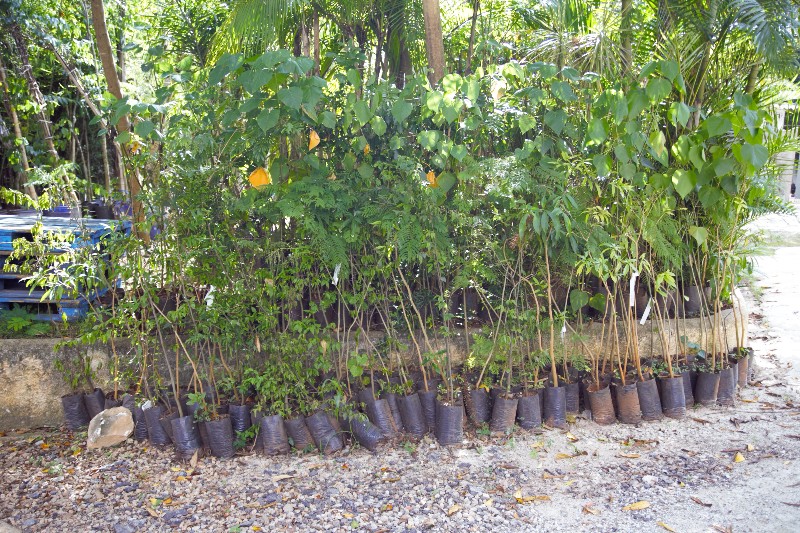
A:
31, 387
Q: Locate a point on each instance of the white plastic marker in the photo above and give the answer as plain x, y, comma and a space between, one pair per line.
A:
631, 299
209, 299
336, 270
646, 312
147, 405
563, 330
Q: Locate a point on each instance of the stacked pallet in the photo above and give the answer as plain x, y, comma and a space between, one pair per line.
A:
13, 290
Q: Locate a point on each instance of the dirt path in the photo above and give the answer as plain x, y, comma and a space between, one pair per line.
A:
576, 480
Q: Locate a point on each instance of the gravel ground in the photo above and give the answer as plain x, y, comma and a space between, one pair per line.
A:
581, 479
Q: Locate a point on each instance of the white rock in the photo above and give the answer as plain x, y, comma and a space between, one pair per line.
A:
109, 428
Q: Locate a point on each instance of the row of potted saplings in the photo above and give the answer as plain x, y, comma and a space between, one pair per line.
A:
373, 420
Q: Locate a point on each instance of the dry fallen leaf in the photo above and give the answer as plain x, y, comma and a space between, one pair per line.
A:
281, 477
547, 475
629, 455
665, 526
750, 448
589, 509
571, 437
453, 510
526, 499
153, 513
700, 502
738, 458
387, 507
538, 444
489, 502
637, 506
348, 515
193, 460
570, 456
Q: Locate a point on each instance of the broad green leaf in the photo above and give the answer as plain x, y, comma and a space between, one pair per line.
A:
598, 302
459, 152
670, 69
472, 88
637, 102
563, 91
756, 155
730, 184
378, 126
401, 110
627, 170
681, 149
434, 101
362, 112
328, 119
526, 123
621, 153
658, 144
144, 128
679, 113
451, 110
602, 163
699, 234
723, 165
597, 130
577, 299
709, 195
556, 119
446, 181
684, 181
267, 119
717, 125
291, 97
429, 139
226, 64
658, 89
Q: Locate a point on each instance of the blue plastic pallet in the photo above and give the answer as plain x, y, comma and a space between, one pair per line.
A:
86, 231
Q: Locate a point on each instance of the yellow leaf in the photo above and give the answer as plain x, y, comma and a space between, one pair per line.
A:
366, 150
538, 444
313, 140
738, 458
348, 515
571, 437
260, 177
518, 496
195, 456
489, 502
638, 506
665, 526
750, 447
175, 469
168, 501
453, 510
256, 528
433, 181
332, 177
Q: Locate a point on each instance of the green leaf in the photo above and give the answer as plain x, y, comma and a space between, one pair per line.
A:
362, 112
472, 88
723, 165
459, 152
709, 195
378, 126
123, 137
730, 184
401, 110
699, 234
680, 150
226, 64
658, 143
328, 119
428, 139
267, 119
637, 102
291, 97
679, 113
563, 91
756, 155
627, 170
598, 302
451, 110
434, 101
365, 170
684, 181
716, 125
658, 89
144, 128
602, 163
556, 119
670, 69
446, 181
578, 299
597, 130
526, 123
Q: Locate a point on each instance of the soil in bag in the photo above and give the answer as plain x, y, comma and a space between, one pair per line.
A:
220, 437
299, 436
75, 414
323, 433
449, 424
529, 411
273, 435
412, 414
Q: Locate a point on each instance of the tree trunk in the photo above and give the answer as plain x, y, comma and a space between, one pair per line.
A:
36, 94
626, 47
317, 54
110, 73
470, 50
121, 70
399, 58
752, 78
434, 41
12, 113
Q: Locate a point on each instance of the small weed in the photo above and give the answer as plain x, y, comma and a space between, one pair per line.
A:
410, 447
483, 430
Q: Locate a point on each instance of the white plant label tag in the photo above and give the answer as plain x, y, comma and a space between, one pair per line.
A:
631, 298
336, 270
563, 330
147, 405
646, 312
